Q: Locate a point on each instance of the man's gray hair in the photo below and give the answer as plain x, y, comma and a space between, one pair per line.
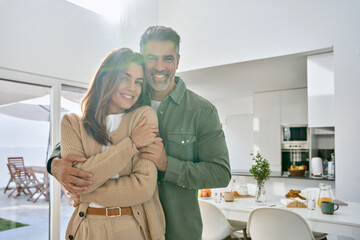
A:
160, 33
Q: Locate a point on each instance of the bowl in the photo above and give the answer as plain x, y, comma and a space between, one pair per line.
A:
297, 173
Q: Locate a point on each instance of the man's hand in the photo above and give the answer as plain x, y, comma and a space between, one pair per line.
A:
70, 177
144, 135
156, 153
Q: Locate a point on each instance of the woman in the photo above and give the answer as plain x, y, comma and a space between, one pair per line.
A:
108, 134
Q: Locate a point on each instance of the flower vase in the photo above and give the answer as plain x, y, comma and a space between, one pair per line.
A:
260, 193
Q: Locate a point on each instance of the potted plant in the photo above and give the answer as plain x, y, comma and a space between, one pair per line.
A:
261, 172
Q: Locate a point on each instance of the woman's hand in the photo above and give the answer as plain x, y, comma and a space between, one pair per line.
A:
144, 135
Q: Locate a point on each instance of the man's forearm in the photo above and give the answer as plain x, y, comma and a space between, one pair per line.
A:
55, 154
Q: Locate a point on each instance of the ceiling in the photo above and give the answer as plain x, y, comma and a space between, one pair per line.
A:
242, 79
230, 81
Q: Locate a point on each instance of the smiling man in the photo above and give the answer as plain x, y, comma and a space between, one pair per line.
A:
193, 154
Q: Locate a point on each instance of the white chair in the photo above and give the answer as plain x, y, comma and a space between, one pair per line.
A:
215, 224
277, 224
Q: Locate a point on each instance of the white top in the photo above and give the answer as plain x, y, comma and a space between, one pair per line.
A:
155, 105
112, 123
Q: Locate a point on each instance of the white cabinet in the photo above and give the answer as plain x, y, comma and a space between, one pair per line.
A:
294, 106
267, 127
240, 141
320, 80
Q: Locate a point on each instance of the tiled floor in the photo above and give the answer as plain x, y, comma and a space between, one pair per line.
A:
34, 214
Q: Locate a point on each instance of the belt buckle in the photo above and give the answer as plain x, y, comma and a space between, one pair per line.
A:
112, 209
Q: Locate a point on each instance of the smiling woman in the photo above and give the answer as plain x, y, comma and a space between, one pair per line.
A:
109, 133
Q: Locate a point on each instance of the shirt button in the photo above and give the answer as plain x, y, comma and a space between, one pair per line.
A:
161, 112
71, 237
183, 186
182, 142
81, 214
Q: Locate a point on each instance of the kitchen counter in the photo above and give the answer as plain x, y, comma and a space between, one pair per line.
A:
277, 174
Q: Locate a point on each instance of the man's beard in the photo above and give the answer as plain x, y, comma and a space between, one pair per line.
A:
164, 85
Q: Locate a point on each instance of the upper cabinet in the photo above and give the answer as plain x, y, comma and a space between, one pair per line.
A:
294, 106
320, 82
267, 127
271, 110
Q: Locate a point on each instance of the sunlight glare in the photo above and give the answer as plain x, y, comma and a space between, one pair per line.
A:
112, 10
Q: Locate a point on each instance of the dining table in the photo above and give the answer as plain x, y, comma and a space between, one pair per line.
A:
344, 222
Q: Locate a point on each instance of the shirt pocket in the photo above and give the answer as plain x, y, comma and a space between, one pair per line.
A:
182, 145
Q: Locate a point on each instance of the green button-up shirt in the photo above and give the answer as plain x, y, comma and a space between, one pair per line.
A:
197, 158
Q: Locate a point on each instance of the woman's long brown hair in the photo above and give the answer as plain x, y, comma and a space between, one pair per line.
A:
96, 100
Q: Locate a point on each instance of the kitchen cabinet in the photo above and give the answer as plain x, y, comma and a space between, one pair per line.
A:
294, 106
267, 122
320, 81
240, 141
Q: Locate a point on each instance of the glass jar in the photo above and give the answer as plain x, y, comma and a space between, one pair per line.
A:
325, 194
242, 189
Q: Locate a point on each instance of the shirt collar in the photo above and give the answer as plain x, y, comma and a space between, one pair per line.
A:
179, 91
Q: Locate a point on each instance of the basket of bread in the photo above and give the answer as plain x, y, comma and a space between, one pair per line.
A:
297, 171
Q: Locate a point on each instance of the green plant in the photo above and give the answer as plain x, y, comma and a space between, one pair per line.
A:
260, 169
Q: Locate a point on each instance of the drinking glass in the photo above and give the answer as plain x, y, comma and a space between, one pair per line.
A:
311, 200
217, 197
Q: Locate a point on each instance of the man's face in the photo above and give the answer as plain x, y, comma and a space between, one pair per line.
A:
161, 63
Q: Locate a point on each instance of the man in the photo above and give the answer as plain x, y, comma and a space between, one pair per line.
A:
193, 154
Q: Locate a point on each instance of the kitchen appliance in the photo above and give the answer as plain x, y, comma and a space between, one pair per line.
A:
331, 169
294, 146
295, 136
316, 167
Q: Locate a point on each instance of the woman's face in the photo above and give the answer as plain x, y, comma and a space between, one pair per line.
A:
128, 91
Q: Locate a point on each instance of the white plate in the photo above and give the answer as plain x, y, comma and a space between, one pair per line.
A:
204, 198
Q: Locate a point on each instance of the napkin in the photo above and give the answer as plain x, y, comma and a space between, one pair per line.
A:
293, 202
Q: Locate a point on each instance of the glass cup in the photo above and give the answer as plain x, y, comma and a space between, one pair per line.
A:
217, 197
311, 200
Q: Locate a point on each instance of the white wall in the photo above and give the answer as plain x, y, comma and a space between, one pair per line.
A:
236, 31
59, 39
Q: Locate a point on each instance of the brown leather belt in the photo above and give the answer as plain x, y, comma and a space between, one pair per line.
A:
110, 212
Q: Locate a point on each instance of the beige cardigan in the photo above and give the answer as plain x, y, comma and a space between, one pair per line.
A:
137, 185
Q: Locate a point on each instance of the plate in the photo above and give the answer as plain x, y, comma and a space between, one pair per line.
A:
204, 198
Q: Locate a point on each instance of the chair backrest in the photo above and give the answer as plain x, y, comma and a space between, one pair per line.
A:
18, 162
18, 175
277, 224
215, 224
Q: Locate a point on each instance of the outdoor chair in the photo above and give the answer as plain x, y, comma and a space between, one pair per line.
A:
20, 179
19, 163
11, 180
40, 186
